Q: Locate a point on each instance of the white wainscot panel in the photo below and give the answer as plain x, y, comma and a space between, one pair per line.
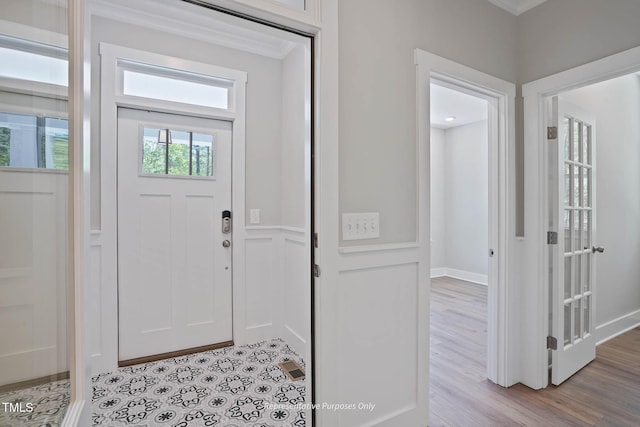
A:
295, 294
32, 275
103, 305
378, 311
260, 287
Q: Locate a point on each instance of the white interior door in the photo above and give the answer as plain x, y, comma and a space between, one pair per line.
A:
174, 260
573, 257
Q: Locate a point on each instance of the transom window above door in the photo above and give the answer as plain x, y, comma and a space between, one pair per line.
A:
167, 84
172, 152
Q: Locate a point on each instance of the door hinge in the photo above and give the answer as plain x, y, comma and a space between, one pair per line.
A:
552, 343
552, 132
315, 240
316, 270
552, 238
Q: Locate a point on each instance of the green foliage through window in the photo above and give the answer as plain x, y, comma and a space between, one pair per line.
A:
5, 141
188, 153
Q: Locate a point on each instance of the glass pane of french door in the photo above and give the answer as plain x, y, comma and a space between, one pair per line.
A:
577, 228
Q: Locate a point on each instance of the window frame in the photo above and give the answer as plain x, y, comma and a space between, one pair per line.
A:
120, 58
125, 66
157, 125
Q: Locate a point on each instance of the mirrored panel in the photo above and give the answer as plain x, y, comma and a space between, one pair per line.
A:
34, 213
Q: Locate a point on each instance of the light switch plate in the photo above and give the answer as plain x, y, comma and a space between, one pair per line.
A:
254, 216
360, 226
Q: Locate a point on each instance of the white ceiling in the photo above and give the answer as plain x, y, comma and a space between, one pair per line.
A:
447, 102
517, 6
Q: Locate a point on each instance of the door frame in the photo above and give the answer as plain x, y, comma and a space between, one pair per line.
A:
534, 263
501, 331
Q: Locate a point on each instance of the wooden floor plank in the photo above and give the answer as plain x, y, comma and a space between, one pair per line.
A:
604, 393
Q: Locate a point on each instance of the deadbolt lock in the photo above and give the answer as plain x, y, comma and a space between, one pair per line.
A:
226, 222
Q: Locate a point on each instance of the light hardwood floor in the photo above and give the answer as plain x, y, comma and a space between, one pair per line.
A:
605, 393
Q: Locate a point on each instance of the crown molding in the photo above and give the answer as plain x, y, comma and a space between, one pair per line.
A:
187, 21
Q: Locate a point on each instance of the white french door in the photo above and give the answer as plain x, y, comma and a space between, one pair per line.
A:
572, 258
174, 255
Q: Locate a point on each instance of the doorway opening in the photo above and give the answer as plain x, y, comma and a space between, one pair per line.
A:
460, 249
594, 209
254, 136
499, 96
601, 87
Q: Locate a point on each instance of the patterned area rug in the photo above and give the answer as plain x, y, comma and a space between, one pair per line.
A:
43, 405
234, 386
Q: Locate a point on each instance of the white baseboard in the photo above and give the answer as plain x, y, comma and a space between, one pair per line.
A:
78, 414
616, 327
481, 279
295, 341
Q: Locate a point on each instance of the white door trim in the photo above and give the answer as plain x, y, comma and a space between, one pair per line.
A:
502, 330
533, 277
110, 100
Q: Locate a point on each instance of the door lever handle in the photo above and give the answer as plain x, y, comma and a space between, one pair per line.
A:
598, 249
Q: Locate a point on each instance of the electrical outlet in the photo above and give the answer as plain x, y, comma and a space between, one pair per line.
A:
254, 216
359, 226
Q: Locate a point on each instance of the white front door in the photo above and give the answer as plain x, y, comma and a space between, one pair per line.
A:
572, 266
174, 259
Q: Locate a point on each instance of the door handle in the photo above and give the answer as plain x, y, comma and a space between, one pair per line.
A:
598, 249
226, 243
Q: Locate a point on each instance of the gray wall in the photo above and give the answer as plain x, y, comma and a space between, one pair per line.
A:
35, 14
562, 34
467, 197
459, 198
378, 95
293, 139
438, 234
616, 104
